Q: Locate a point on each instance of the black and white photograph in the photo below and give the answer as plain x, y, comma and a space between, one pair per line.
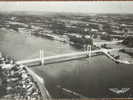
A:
66, 50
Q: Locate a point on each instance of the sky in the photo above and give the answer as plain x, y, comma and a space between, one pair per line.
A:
69, 6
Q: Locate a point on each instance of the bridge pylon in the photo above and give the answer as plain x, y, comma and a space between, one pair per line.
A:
42, 56
89, 50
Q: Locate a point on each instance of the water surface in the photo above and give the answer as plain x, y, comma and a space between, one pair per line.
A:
91, 77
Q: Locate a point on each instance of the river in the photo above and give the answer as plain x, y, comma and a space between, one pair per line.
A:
91, 77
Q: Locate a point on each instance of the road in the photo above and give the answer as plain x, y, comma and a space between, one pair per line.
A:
40, 83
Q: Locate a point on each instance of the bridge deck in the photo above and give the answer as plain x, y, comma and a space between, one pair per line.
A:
66, 57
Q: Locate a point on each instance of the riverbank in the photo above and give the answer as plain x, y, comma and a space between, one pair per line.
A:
20, 82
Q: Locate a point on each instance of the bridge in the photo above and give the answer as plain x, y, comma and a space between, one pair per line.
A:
71, 56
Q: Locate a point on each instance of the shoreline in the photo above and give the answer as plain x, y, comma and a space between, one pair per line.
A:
41, 84
21, 75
